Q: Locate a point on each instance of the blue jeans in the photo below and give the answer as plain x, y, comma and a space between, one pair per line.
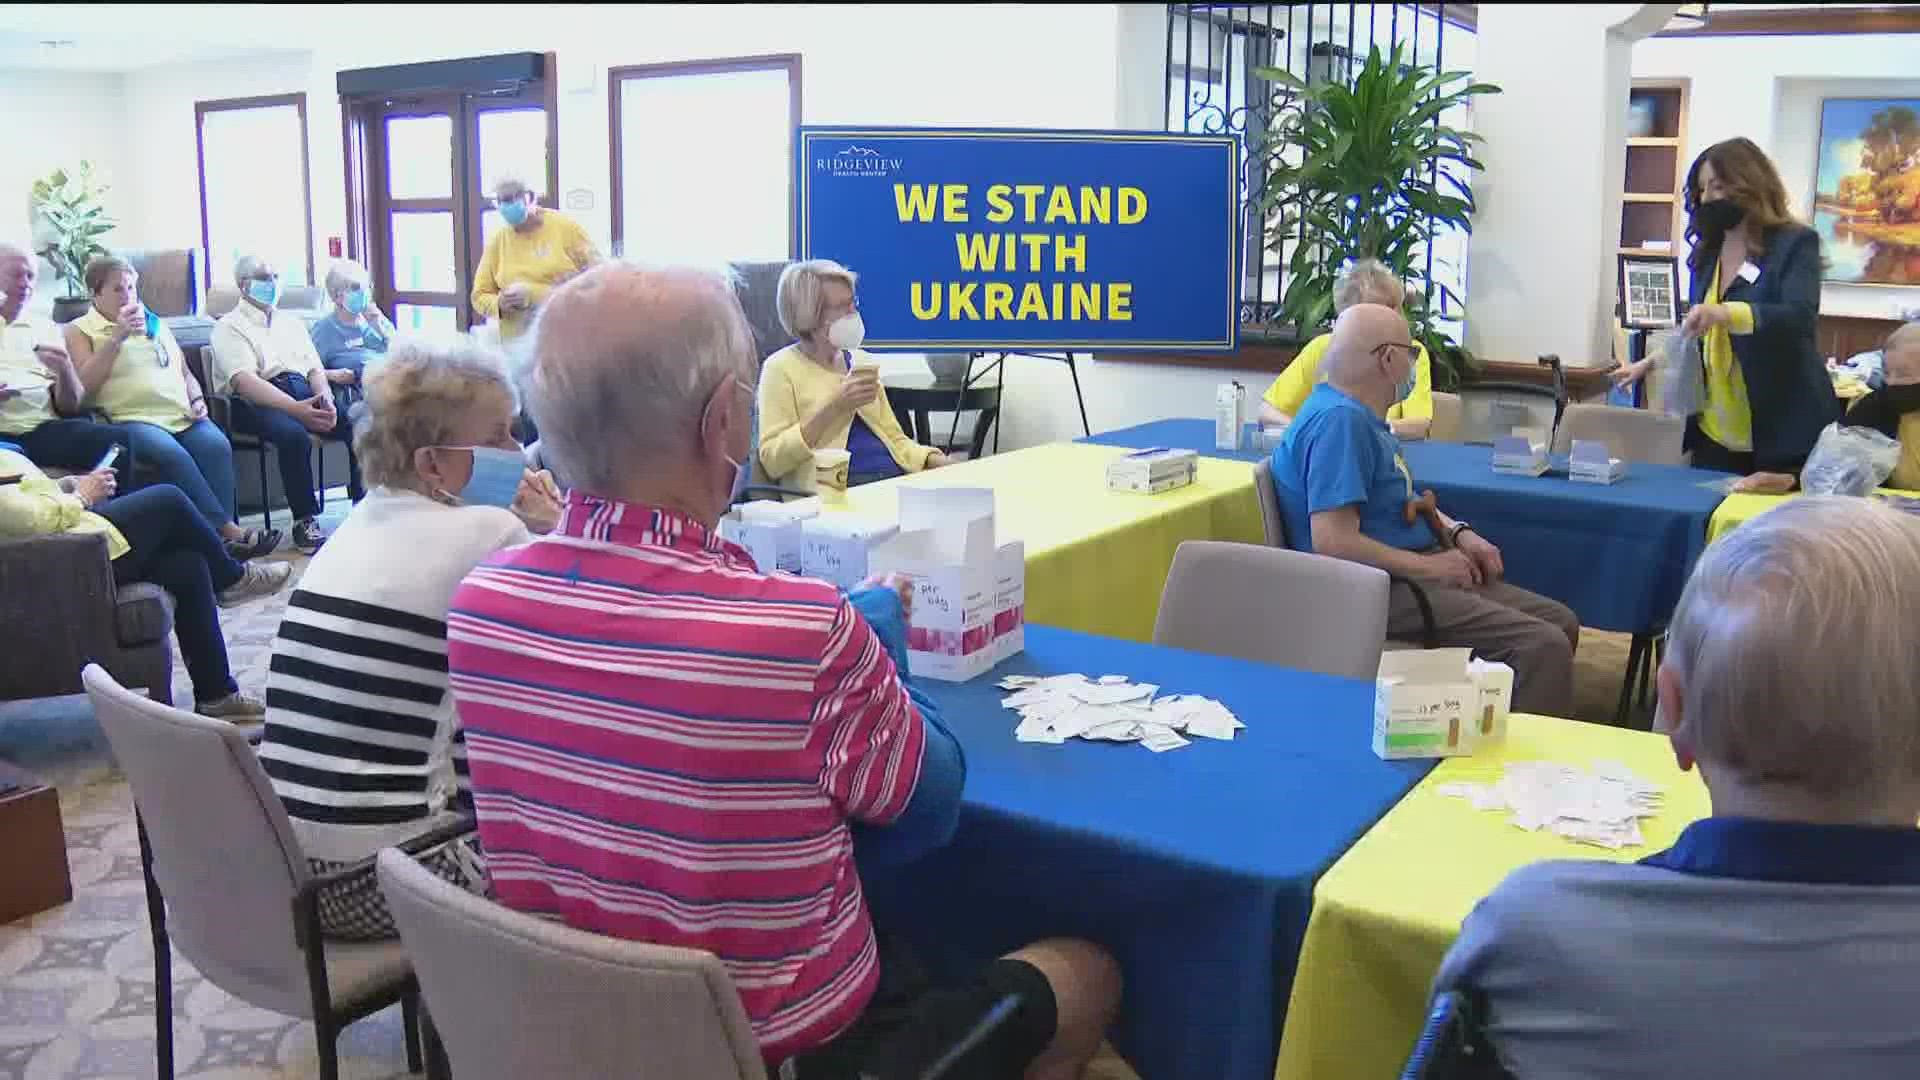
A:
198, 461
173, 547
78, 445
292, 445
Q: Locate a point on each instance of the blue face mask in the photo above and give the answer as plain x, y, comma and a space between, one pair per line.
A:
495, 480
356, 300
513, 213
263, 292
1405, 389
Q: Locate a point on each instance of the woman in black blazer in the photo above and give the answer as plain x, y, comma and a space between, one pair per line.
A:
1755, 302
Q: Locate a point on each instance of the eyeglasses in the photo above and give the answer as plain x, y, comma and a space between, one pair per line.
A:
1387, 348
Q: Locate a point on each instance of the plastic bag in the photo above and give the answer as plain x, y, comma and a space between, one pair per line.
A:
1849, 461
1678, 384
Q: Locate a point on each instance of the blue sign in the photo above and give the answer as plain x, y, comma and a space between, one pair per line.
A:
1050, 240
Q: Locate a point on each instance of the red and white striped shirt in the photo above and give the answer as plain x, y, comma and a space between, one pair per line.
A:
668, 745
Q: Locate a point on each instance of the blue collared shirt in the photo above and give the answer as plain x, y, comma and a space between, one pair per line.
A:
1338, 453
1786, 851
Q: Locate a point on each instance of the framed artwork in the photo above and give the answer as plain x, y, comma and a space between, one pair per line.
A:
1866, 200
1649, 292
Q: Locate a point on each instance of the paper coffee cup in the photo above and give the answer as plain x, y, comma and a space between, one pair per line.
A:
830, 468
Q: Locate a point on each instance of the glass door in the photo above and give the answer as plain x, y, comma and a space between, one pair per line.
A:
508, 133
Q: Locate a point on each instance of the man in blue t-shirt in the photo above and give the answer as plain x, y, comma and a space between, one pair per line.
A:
1345, 492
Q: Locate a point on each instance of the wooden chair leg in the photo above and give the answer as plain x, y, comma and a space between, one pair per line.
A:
162, 960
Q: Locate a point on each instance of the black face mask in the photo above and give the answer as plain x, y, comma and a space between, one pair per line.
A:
1902, 399
1716, 217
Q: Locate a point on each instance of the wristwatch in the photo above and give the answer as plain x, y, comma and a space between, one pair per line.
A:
1453, 534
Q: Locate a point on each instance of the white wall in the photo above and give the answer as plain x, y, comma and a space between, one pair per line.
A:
1769, 89
55, 119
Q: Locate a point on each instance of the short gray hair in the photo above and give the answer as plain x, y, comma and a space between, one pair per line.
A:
1795, 645
244, 268
1366, 281
416, 396
798, 296
342, 276
624, 359
512, 179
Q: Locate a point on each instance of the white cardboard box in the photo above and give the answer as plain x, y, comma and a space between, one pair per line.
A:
946, 545
1229, 412
1424, 704
1495, 681
1519, 454
1592, 462
836, 547
1152, 471
1009, 600
770, 531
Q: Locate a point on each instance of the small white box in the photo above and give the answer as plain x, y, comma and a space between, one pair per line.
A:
1152, 471
1229, 412
946, 545
770, 531
835, 547
1009, 600
1495, 681
1424, 704
1519, 454
1592, 463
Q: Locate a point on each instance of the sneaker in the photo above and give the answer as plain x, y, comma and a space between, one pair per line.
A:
236, 707
256, 543
308, 536
256, 579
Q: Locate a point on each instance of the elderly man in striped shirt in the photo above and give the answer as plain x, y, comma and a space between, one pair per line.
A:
669, 745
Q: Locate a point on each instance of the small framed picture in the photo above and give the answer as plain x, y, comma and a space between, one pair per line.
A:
1649, 292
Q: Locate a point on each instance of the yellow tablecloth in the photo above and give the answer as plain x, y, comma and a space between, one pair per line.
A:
1386, 913
1740, 507
1096, 560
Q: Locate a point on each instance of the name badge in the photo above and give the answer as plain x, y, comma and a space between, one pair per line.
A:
1749, 273
354, 343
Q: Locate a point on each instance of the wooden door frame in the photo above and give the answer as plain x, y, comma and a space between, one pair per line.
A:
200, 111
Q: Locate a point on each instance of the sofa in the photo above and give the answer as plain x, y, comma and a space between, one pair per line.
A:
57, 592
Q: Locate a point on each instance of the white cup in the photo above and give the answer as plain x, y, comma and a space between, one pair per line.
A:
830, 468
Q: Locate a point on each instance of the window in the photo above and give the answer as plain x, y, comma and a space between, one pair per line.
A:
682, 195
256, 196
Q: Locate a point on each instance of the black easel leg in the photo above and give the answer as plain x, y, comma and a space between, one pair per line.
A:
1085, 428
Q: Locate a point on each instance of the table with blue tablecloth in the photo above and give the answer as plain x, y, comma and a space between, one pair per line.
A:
1195, 867
1180, 433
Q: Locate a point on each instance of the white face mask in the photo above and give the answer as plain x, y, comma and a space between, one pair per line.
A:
847, 331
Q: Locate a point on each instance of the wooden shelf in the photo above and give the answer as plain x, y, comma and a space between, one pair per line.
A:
1648, 196
1653, 141
1645, 251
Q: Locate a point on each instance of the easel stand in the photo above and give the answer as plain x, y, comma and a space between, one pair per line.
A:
998, 366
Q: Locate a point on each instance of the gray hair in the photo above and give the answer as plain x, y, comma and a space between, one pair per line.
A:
512, 179
1795, 645
415, 398
244, 268
624, 359
1366, 281
342, 276
798, 296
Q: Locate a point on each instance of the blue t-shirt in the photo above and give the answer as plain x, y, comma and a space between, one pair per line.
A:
347, 348
1338, 453
871, 460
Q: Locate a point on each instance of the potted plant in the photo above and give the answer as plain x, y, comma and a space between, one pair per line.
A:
68, 213
1359, 171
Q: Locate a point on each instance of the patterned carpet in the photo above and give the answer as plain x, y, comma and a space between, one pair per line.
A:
76, 983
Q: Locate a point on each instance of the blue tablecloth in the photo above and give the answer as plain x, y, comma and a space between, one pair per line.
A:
1195, 867
1179, 434
1617, 554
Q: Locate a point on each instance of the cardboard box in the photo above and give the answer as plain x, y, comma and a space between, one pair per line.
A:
1592, 462
770, 531
1495, 682
1520, 454
835, 547
1152, 471
1424, 704
1229, 412
946, 544
33, 858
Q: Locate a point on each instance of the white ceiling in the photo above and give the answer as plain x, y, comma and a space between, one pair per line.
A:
105, 53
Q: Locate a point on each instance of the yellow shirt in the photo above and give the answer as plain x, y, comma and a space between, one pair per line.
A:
244, 341
1289, 392
1906, 474
556, 248
1727, 418
147, 383
37, 507
793, 388
21, 370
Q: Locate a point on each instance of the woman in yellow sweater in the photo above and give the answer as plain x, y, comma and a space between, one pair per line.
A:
822, 392
529, 258
1367, 281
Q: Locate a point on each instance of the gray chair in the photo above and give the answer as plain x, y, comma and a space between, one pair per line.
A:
516, 996
1631, 434
1289, 608
228, 885
1448, 415
61, 586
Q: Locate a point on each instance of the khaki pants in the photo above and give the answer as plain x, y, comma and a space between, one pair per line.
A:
1530, 633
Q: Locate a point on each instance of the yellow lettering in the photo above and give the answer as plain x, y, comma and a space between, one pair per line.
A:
1096, 205
960, 298
999, 300
1035, 243
999, 207
1133, 206
1031, 193
1120, 301
1059, 296
913, 203
978, 251
930, 310
1070, 249
1086, 302
1032, 299
953, 202
1060, 206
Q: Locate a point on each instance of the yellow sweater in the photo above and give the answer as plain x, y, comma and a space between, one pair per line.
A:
556, 248
1290, 390
793, 388
37, 507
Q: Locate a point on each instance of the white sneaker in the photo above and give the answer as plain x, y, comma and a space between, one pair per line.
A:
257, 579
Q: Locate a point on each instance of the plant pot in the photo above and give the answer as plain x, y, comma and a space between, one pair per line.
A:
949, 368
68, 308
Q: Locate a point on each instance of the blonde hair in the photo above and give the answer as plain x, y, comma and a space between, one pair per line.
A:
414, 399
1367, 280
1834, 720
798, 295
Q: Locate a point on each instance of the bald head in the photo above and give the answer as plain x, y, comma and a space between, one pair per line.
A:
1357, 364
16, 279
627, 363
